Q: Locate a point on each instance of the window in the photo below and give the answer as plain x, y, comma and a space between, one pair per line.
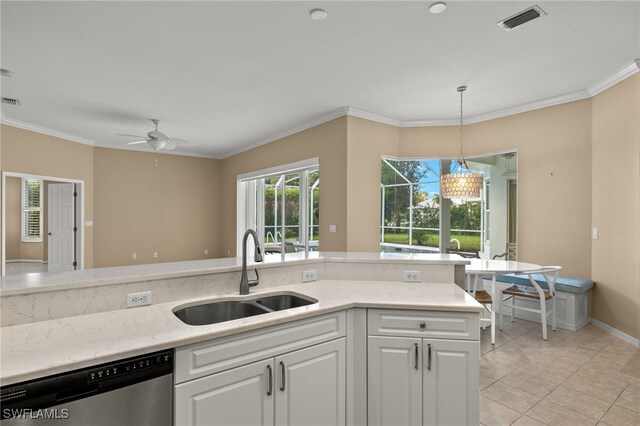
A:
31, 210
282, 205
414, 218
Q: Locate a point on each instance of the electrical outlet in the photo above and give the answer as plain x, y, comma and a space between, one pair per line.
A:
134, 256
138, 299
332, 228
155, 254
595, 234
206, 251
308, 276
412, 276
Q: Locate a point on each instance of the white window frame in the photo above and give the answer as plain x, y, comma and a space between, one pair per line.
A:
246, 200
24, 209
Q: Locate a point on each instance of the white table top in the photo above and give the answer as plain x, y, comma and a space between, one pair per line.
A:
482, 266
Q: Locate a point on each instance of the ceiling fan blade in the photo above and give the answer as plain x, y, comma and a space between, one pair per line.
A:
137, 142
181, 142
131, 136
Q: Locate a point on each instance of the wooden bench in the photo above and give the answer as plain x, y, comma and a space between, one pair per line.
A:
572, 299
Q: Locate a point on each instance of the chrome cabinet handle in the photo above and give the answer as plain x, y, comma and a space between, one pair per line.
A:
429, 358
284, 376
416, 357
270, 390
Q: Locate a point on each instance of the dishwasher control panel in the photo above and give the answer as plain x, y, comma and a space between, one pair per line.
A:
127, 367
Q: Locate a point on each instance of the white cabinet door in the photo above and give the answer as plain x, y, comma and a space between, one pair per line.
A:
310, 385
451, 382
241, 396
395, 381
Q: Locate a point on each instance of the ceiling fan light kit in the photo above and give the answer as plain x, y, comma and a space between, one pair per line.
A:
158, 140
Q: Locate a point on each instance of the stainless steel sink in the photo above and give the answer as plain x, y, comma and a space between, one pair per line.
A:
215, 312
284, 301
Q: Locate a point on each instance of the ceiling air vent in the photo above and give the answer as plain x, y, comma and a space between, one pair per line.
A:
522, 18
11, 101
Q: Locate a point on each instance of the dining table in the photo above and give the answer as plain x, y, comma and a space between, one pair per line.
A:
481, 268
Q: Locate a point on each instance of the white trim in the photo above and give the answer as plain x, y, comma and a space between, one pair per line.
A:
614, 78
45, 130
589, 92
73, 138
340, 112
615, 332
283, 168
26, 261
372, 116
468, 157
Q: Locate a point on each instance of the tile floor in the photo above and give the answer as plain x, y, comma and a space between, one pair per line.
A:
20, 268
583, 378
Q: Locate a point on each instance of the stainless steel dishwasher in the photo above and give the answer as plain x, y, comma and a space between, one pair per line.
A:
133, 391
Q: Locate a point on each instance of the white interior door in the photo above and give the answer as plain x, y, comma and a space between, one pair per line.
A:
60, 223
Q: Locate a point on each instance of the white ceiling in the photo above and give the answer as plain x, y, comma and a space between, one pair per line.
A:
228, 74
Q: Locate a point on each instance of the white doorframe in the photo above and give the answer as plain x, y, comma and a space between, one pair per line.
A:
79, 212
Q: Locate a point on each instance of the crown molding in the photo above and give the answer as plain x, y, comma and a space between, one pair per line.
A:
589, 92
614, 78
44, 130
337, 113
73, 138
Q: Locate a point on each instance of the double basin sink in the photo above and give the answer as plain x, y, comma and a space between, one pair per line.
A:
215, 312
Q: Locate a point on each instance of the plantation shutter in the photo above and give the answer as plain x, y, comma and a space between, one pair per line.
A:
31, 208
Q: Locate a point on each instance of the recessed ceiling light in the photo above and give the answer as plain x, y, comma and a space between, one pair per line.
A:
6, 73
438, 7
318, 14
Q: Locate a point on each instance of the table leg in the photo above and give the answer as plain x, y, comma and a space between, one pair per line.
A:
493, 309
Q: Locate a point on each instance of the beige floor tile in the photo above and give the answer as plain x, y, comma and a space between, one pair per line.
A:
579, 402
501, 357
495, 414
495, 370
549, 371
630, 398
605, 374
554, 414
527, 421
534, 385
486, 381
632, 367
611, 360
510, 397
596, 386
619, 416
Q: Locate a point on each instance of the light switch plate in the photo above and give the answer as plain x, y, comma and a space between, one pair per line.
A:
595, 234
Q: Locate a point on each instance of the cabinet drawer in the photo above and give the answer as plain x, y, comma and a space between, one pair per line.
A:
431, 324
212, 356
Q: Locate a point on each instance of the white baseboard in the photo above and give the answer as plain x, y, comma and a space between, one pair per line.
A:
615, 332
26, 261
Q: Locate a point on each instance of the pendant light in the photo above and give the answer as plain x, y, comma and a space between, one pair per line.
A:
464, 185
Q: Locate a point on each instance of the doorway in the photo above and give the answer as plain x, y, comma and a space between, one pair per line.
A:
41, 223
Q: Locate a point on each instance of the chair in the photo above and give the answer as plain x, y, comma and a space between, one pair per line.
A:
510, 254
514, 292
483, 297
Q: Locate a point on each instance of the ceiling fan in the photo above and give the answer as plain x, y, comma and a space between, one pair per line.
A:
158, 140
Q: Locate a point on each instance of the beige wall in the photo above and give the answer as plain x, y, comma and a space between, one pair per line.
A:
24, 151
367, 141
615, 262
148, 202
554, 176
327, 142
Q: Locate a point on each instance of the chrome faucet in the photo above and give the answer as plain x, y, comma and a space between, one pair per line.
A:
245, 283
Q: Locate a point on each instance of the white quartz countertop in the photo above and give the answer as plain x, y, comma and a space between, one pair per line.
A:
39, 349
41, 282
